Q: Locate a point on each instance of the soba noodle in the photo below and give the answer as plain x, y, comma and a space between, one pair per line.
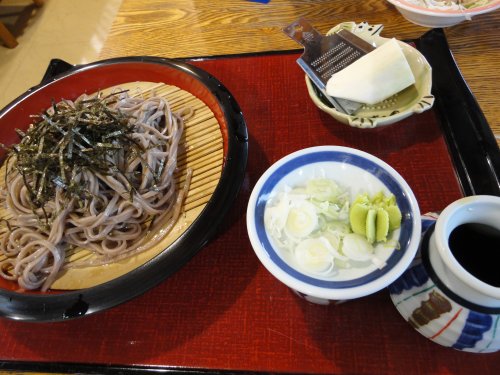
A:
111, 211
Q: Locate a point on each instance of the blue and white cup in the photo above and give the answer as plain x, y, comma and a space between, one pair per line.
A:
442, 295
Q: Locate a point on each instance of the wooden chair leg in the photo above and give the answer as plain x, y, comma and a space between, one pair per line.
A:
7, 36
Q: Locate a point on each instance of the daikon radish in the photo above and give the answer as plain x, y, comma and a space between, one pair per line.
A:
374, 77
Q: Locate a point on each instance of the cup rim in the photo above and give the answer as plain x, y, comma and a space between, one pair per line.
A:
442, 232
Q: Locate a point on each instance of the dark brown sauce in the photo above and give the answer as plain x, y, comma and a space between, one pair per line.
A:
477, 248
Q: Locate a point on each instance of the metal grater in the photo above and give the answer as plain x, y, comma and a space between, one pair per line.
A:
325, 55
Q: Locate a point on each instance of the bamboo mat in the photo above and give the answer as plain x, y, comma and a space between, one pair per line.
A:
201, 150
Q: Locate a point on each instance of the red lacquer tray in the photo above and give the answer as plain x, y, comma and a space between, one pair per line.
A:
223, 311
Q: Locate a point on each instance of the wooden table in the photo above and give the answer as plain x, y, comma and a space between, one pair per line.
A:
222, 317
186, 28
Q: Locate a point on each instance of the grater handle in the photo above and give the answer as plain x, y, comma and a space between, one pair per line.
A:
303, 32
324, 55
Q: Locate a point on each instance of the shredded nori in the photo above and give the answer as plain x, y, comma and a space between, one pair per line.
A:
67, 140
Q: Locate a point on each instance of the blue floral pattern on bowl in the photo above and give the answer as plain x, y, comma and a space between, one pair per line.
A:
438, 313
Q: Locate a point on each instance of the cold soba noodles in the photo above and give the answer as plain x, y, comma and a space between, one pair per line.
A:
96, 173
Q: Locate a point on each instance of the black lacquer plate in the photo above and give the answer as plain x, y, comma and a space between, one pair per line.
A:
63, 80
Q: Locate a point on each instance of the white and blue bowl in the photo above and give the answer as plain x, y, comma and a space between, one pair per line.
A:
358, 172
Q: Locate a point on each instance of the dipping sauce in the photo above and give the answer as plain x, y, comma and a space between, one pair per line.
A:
477, 248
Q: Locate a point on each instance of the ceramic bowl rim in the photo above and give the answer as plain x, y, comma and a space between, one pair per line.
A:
327, 292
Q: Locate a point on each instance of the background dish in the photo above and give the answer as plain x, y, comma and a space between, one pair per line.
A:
91, 78
414, 99
440, 17
357, 172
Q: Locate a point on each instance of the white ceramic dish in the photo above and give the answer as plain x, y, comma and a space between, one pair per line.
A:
358, 172
415, 99
440, 17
